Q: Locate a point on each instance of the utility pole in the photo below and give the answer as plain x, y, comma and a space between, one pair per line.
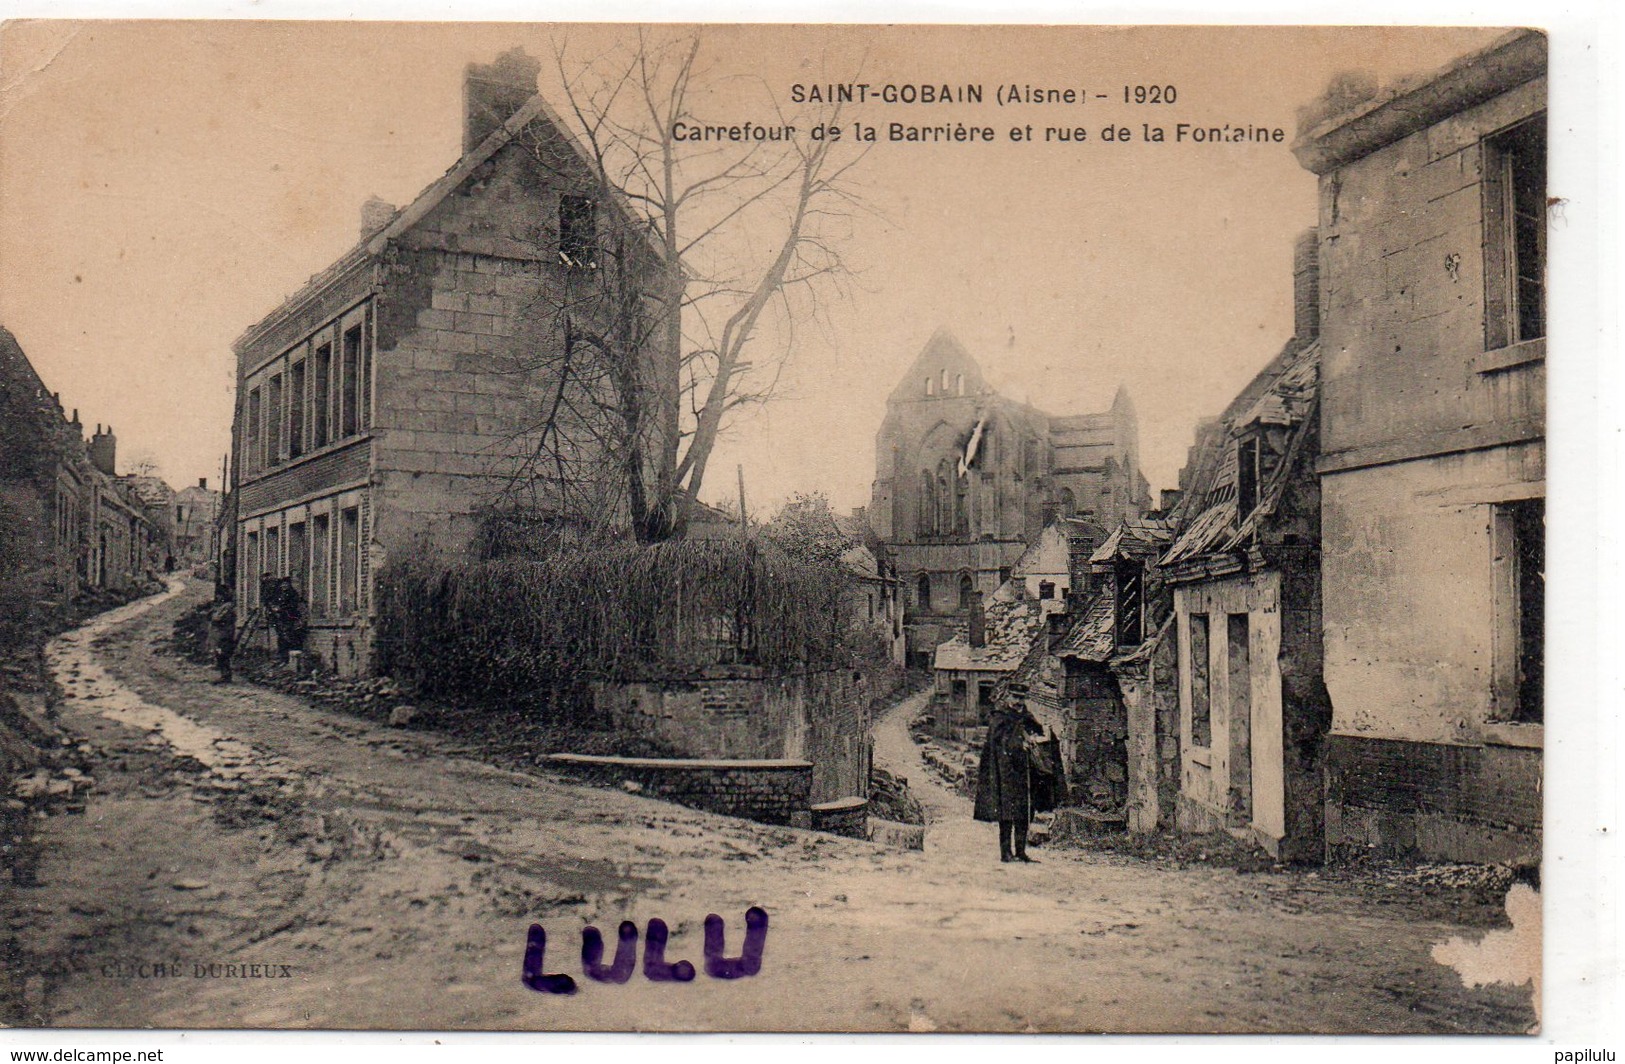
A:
742, 516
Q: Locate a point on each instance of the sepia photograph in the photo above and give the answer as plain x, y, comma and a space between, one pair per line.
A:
773, 528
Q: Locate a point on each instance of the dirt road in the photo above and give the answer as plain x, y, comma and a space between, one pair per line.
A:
381, 877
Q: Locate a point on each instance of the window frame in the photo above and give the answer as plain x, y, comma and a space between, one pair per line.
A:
1506, 205
1199, 665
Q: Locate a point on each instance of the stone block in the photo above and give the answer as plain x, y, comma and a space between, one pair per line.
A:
449, 300
436, 319
459, 343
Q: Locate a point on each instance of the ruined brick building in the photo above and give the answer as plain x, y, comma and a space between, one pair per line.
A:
388, 404
1432, 465
966, 480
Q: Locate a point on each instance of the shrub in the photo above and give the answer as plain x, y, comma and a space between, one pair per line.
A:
582, 610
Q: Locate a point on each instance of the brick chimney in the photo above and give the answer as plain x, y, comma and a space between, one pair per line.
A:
1306, 285
492, 92
103, 450
375, 214
978, 621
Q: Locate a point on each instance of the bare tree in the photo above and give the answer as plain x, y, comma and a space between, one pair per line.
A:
689, 263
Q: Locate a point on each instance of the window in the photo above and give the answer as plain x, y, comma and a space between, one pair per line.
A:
1069, 502
364, 381
959, 384
967, 592
296, 409
1240, 674
252, 418
349, 560
1201, 688
272, 565
273, 420
922, 591
1246, 477
1130, 605
930, 386
1046, 589
299, 559
251, 571
1515, 235
928, 504
321, 393
1518, 535
349, 375
578, 232
321, 549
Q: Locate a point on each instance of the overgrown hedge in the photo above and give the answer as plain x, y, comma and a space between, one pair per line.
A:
586, 611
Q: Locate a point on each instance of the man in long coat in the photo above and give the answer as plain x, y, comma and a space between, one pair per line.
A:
1003, 782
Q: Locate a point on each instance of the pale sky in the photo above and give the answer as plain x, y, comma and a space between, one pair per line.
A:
164, 185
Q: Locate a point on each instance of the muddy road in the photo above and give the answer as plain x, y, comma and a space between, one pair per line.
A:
249, 860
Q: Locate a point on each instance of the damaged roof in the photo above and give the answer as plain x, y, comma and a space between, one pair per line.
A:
1137, 538
1282, 397
1094, 637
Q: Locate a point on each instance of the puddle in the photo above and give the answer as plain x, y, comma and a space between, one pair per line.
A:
83, 680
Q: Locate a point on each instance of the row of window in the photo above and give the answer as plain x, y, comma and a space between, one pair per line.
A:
321, 554
317, 393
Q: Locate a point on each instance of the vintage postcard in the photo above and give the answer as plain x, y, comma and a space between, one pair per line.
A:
813, 528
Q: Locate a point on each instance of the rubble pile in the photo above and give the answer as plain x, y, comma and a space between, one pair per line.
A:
889, 798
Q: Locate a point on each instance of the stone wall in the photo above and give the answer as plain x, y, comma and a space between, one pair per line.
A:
844, 816
1150, 689
822, 717
1457, 803
775, 791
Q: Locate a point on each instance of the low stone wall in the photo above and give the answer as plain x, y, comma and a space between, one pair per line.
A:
741, 712
844, 816
767, 791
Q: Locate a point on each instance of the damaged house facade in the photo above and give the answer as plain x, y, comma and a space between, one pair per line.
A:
966, 480
386, 405
1244, 572
1432, 457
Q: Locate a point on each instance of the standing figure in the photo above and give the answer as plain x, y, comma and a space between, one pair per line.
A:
1003, 782
223, 631
288, 617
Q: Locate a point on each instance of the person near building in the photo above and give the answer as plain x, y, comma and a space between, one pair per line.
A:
1004, 786
289, 618
223, 632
